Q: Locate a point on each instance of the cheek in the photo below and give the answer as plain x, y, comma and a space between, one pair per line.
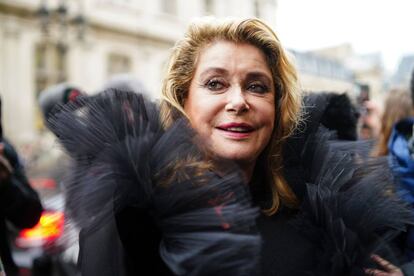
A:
202, 119
202, 109
198, 112
191, 105
268, 114
268, 120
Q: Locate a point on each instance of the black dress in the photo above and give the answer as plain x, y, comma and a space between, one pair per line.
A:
164, 207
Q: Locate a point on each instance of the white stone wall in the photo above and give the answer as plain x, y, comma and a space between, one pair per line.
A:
17, 78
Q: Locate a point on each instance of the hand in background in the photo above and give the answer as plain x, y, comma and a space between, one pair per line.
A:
388, 268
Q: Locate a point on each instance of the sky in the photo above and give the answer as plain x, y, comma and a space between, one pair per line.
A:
385, 26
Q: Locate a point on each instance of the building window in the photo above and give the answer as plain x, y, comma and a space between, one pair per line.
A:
209, 6
50, 62
118, 63
169, 6
50, 69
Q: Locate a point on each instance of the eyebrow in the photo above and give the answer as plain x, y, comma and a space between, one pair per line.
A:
259, 75
217, 70
250, 75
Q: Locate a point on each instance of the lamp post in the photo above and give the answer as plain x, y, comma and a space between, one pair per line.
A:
61, 17
56, 23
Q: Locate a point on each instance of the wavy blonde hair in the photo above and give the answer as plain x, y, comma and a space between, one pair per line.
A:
181, 69
397, 106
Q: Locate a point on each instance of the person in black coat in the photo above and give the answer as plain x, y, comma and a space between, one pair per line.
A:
335, 111
19, 203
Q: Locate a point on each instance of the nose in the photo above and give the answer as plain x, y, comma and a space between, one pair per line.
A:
236, 101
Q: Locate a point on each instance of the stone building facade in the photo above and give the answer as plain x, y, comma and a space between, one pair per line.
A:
85, 42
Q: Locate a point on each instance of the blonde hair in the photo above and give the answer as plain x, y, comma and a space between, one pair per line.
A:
180, 72
397, 106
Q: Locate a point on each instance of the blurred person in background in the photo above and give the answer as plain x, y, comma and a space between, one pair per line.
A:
51, 162
412, 86
19, 203
336, 112
370, 120
49, 100
393, 141
401, 152
47, 150
55, 95
397, 106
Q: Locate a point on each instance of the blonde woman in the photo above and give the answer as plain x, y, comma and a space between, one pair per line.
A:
397, 106
396, 141
180, 186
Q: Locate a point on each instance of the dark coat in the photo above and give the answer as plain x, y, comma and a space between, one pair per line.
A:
19, 205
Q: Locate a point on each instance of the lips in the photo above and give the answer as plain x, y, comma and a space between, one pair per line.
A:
236, 127
236, 131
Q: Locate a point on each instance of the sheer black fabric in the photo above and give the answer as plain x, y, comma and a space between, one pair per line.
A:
123, 158
175, 210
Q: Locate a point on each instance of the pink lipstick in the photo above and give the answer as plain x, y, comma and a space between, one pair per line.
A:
236, 130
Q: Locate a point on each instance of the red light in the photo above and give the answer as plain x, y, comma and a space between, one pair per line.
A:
73, 94
49, 228
43, 183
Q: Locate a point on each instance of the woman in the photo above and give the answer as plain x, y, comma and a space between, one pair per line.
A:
238, 125
394, 141
235, 84
397, 106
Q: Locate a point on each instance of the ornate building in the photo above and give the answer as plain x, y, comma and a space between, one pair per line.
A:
84, 42
318, 74
367, 69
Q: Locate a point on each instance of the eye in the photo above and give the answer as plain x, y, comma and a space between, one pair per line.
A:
257, 88
215, 85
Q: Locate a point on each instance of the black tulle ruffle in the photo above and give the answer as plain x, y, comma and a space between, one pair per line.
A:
122, 157
201, 209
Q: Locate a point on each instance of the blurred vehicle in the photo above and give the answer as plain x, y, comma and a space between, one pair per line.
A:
50, 248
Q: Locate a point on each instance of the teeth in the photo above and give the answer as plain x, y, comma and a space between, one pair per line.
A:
238, 129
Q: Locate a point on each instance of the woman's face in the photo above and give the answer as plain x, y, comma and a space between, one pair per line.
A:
231, 101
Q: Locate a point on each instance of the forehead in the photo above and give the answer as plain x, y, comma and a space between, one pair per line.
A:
232, 56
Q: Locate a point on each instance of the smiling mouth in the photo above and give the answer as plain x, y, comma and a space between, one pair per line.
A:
237, 129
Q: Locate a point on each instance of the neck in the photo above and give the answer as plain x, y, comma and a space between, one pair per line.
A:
247, 171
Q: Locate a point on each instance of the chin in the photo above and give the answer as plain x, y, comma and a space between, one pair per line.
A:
240, 153
239, 157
